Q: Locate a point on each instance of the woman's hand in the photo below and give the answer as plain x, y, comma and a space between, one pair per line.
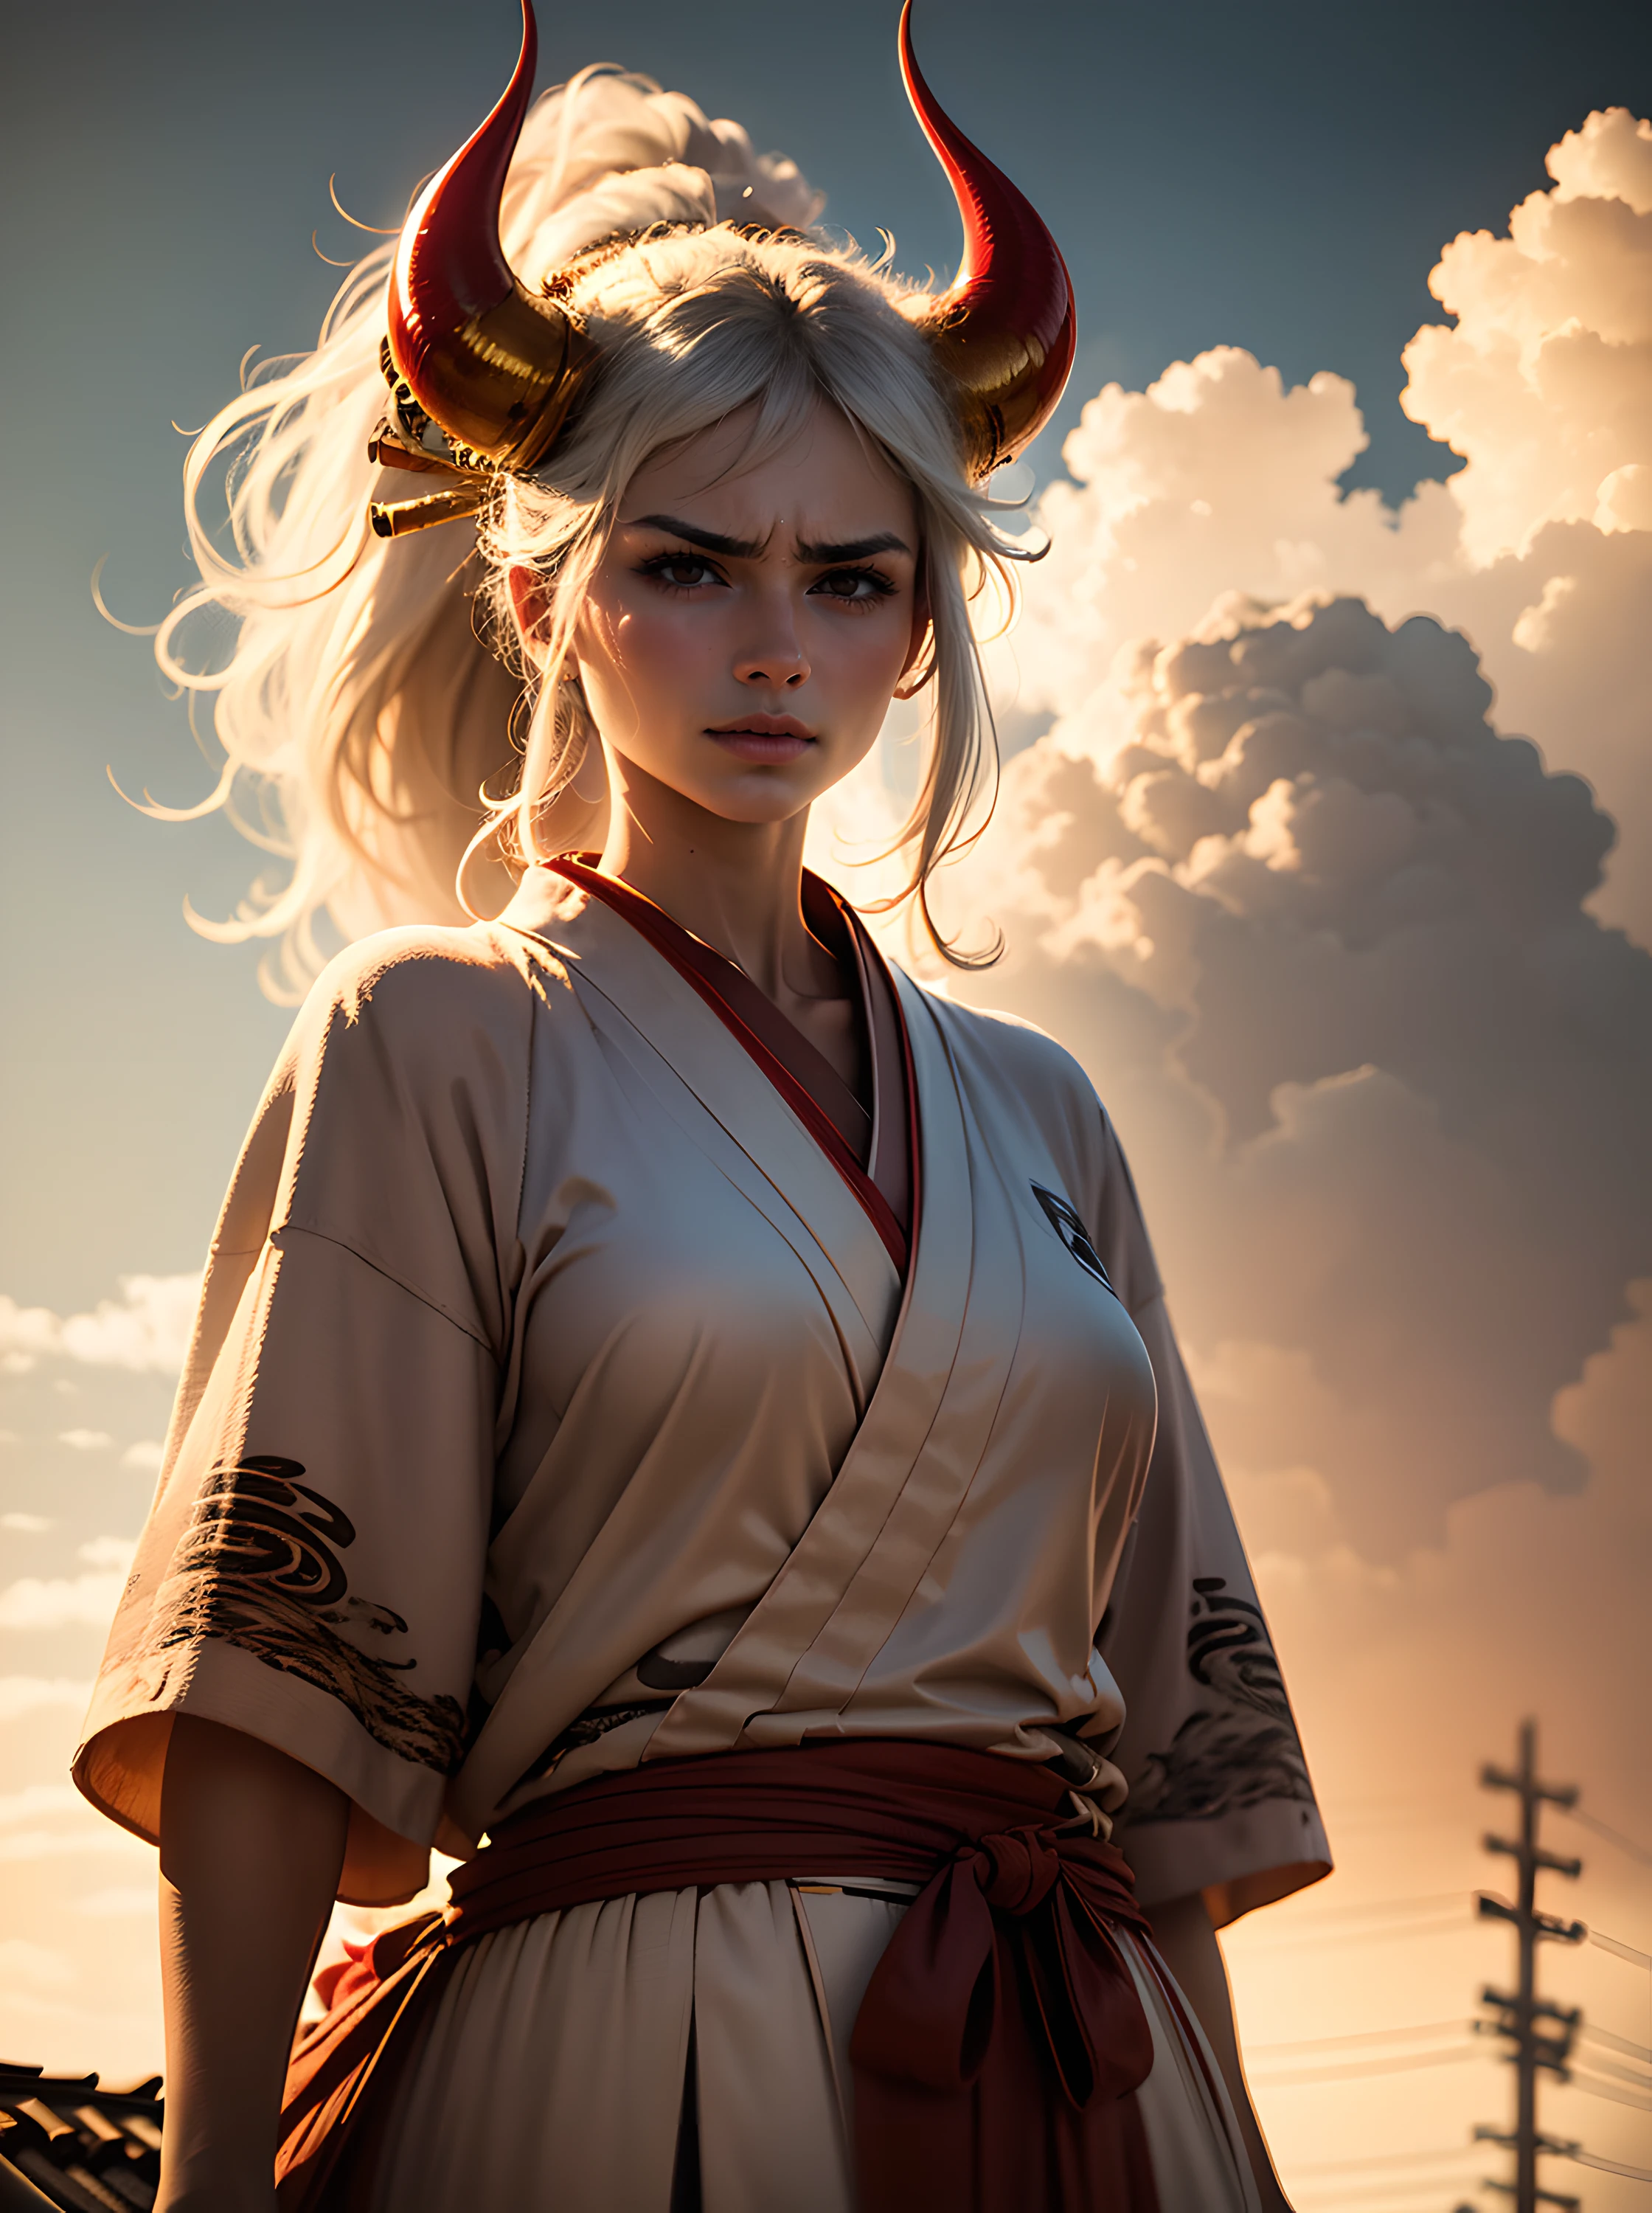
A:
250, 1847
1182, 1931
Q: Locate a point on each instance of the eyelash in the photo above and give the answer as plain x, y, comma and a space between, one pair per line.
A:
656, 566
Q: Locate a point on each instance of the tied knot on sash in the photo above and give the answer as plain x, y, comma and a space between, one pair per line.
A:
1017, 1869
1009, 1937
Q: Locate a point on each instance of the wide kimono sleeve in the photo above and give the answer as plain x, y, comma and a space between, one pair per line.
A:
311, 1570
1220, 1799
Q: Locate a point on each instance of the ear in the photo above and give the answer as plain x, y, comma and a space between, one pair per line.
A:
921, 640
531, 604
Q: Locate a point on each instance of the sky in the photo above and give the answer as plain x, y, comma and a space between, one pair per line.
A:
1325, 840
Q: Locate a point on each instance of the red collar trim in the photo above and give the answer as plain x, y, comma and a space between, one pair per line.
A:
694, 963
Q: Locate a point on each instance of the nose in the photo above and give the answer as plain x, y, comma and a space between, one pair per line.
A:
776, 660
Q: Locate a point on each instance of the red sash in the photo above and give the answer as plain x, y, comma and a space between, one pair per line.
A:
1001, 2037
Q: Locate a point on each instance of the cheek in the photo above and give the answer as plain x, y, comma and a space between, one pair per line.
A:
865, 654
623, 655
648, 640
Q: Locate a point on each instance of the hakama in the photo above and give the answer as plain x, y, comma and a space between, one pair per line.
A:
481, 2120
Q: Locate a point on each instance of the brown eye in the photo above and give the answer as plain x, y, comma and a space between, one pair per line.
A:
683, 572
855, 585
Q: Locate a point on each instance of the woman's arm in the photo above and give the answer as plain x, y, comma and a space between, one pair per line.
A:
1182, 1931
250, 1847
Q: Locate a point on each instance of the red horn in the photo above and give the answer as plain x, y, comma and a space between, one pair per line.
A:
1007, 329
489, 363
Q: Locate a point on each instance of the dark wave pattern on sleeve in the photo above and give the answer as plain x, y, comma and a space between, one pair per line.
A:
1240, 1746
259, 1568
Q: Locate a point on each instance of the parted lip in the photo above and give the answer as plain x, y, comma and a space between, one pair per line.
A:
761, 726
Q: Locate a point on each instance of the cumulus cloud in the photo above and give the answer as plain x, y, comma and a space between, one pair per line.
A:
120, 1901
32, 1967
1380, 1642
38, 1602
37, 1801
1219, 478
109, 1553
1543, 376
1313, 862
28, 1694
1406, 1677
85, 1440
94, 1836
1319, 932
145, 1457
145, 1331
48, 1820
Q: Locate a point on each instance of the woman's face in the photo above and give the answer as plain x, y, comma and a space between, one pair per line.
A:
745, 630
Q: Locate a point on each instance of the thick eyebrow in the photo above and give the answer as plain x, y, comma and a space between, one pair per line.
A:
856, 549
711, 541
750, 549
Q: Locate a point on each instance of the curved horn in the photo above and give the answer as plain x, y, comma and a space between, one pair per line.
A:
494, 366
1007, 329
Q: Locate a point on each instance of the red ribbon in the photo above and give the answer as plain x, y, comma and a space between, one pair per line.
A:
937, 1997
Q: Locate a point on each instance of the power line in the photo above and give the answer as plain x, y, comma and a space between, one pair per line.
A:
1318, 1939
1433, 2183
1595, 2088
1622, 1951
1610, 2165
1447, 2190
1636, 2077
1315, 1921
1366, 2036
1591, 2034
1542, 2035
1373, 2067
1419, 1902
1386, 2159
1421, 2197
1381, 2194
1613, 1836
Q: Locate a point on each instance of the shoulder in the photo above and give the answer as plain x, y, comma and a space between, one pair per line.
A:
412, 1032
425, 1000
404, 979
409, 1067
1012, 1051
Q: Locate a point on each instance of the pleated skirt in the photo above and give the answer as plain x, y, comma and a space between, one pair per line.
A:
692, 2048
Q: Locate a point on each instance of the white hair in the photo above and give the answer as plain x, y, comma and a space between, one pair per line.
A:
378, 718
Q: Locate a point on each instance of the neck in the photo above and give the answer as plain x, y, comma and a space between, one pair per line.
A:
738, 885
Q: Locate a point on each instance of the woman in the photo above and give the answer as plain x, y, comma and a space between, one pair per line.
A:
672, 1396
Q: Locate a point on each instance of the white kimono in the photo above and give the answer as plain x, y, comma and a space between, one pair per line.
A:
554, 1406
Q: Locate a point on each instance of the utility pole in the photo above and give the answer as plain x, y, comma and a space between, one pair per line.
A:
1539, 2032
